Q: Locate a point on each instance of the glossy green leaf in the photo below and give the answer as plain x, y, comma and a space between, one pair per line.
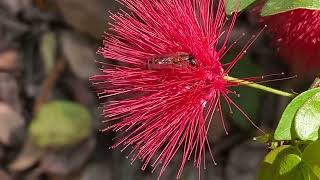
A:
237, 5
285, 129
59, 124
312, 158
289, 167
285, 163
269, 165
278, 6
307, 121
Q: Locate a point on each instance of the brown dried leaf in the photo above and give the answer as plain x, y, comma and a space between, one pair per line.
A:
9, 92
69, 160
86, 16
13, 6
79, 54
9, 60
10, 122
29, 156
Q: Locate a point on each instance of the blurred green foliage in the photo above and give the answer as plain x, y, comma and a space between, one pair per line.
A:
59, 124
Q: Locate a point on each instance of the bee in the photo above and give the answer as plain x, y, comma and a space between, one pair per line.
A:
171, 61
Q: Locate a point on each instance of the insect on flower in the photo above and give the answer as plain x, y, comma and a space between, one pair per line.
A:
169, 79
179, 59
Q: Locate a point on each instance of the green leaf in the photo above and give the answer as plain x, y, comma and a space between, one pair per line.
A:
289, 167
285, 129
59, 124
312, 158
285, 163
270, 166
307, 121
279, 6
237, 5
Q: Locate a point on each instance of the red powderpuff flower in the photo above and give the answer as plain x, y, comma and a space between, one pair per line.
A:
296, 33
169, 79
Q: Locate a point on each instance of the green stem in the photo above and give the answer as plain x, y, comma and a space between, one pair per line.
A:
259, 86
296, 146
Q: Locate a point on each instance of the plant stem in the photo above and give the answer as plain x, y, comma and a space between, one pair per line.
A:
49, 83
259, 86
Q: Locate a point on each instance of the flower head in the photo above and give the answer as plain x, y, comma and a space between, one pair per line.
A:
169, 77
296, 33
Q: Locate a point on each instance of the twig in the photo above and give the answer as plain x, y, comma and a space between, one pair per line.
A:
316, 83
49, 84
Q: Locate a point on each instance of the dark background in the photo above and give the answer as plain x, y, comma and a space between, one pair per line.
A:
47, 53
